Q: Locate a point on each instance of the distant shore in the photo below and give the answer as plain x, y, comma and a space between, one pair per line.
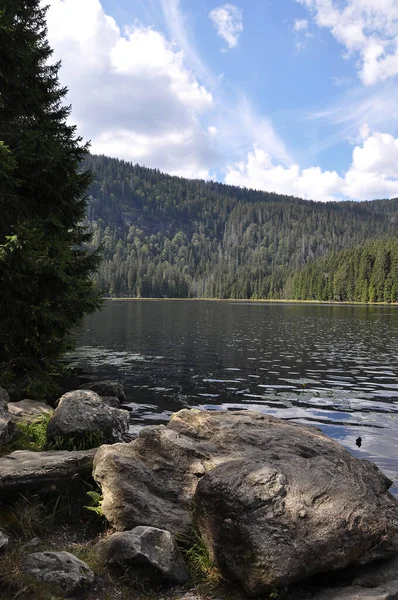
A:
269, 301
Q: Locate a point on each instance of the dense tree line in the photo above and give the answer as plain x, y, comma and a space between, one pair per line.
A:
368, 273
45, 267
165, 236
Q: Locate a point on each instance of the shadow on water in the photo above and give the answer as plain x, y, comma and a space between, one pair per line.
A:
326, 365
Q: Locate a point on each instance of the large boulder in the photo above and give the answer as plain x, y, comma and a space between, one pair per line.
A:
82, 413
149, 547
274, 501
151, 480
61, 571
106, 388
48, 472
28, 411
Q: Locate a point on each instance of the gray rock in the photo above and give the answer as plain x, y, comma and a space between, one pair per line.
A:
28, 410
42, 471
376, 574
289, 502
4, 541
60, 570
4, 398
7, 428
275, 501
112, 401
106, 388
150, 481
33, 543
82, 412
388, 591
153, 548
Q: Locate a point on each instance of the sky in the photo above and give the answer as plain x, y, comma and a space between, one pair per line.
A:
298, 97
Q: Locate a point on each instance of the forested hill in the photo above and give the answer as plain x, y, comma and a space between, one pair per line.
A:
165, 236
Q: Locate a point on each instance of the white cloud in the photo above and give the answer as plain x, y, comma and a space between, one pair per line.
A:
366, 28
180, 35
300, 25
239, 127
132, 94
378, 107
227, 20
372, 173
259, 172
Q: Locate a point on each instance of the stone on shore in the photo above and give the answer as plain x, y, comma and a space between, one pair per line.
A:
149, 547
27, 411
82, 413
4, 398
274, 501
61, 571
4, 541
106, 388
112, 401
7, 427
48, 472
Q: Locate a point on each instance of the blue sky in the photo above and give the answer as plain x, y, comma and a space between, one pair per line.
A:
293, 96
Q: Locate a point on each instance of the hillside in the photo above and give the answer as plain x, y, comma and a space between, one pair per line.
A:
165, 236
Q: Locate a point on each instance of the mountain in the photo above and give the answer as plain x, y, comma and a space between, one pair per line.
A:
165, 236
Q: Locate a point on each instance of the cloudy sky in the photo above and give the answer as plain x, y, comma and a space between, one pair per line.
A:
299, 97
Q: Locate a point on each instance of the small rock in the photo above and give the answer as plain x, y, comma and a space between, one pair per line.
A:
82, 412
4, 398
33, 543
4, 541
7, 428
149, 546
112, 401
355, 592
106, 388
28, 410
59, 569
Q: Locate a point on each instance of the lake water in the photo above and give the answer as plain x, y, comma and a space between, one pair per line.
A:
331, 366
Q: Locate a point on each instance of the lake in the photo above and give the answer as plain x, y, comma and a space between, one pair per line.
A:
331, 366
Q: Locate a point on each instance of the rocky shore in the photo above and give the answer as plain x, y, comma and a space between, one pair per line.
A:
214, 505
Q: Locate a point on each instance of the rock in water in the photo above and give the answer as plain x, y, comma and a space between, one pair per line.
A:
81, 413
274, 501
106, 388
61, 570
153, 548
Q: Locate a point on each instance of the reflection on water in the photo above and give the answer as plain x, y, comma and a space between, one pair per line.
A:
330, 366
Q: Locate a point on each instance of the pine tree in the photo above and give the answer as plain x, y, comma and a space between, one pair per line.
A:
45, 268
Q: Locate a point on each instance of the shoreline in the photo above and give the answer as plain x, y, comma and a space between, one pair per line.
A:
264, 300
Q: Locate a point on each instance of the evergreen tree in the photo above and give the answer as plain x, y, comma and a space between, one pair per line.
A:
45, 268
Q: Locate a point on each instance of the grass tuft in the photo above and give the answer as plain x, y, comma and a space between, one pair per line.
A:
202, 570
96, 500
86, 441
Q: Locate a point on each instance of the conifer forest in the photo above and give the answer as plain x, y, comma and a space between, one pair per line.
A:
168, 237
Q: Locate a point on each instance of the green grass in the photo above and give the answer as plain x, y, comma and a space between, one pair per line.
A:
202, 570
96, 499
85, 441
30, 435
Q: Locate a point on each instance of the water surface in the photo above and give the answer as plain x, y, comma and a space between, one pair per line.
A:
326, 365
